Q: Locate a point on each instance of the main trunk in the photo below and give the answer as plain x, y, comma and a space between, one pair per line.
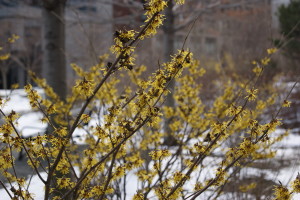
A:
54, 62
54, 68
168, 51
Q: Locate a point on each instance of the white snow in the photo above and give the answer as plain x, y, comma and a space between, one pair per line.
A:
36, 187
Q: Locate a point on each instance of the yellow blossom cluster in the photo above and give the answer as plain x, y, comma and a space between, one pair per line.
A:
282, 193
159, 154
5, 56
13, 38
296, 184
246, 188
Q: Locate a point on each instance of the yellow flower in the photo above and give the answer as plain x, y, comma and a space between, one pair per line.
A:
63, 166
138, 196
143, 175
199, 148
159, 154
271, 50
15, 86
234, 110
61, 131
152, 27
155, 6
180, 1
13, 38
89, 162
198, 186
21, 181
253, 123
257, 70
5, 56
124, 35
64, 182
252, 94
246, 188
119, 172
273, 125
247, 147
79, 71
282, 193
178, 176
85, 87
222, 175
12, 116
265, 61
85, 118
296, 185
286, 103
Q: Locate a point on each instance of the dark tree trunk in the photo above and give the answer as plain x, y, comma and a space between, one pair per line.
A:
54, 62
54, 65
169, 45
169, 34
4, 78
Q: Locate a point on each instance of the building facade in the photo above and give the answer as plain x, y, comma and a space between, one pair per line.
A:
88, 35
241, 28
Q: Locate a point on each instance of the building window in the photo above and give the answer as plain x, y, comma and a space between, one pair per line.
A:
87, 9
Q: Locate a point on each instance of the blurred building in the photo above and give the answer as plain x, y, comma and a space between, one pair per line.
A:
23, 20
88, 35
240, 28
128, 13
88, 32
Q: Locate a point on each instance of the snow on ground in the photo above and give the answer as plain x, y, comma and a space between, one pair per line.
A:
291, 150
18, 100
29, 124
36, 187
292, 140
